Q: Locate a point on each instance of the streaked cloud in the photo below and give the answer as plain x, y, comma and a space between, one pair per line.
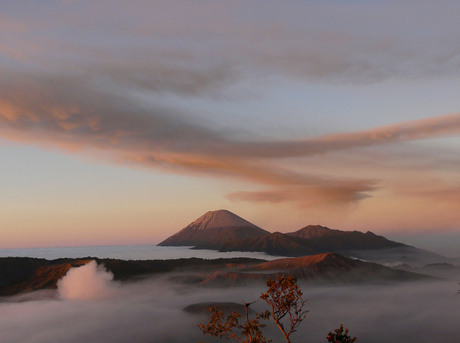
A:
76, 115
219, 44
310, 196
118, 82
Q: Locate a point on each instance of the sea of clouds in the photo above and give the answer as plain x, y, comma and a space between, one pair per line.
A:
129, 252
89, 306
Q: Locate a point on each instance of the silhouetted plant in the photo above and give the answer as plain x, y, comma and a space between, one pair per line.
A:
248, 331
287, 311
340, 336
287, 305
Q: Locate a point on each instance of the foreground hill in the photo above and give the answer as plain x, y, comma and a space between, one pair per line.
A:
214, 228
329, 268
28, 274
334, 267
23, 274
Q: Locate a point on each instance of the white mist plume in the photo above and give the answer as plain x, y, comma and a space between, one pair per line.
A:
91, 281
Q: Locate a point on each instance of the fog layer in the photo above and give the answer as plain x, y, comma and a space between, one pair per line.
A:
151, 311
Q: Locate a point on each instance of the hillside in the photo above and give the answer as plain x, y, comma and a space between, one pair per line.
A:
28, 274
276, 243
23, 275
323, 238
326, 268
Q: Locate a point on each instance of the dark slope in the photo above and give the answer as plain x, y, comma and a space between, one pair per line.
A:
310, 240
27, 275
22, 275
273, 244
326, 268
323, 238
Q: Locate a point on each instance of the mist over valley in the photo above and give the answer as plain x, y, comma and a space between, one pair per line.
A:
163, 300
89, 306
158, 158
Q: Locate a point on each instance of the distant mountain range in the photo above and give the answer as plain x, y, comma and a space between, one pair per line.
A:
326, 258
225, 231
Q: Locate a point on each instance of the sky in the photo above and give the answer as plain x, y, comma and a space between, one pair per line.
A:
122, 122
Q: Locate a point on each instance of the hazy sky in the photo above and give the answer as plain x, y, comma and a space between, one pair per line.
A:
123, 121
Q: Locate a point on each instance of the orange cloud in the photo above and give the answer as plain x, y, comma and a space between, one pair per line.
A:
307, 196
68, 114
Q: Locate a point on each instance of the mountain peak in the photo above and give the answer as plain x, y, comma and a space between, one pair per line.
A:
219, 219
214, 228
224, 230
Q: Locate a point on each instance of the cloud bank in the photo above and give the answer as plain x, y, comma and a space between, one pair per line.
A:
151, 311
210, 47
105, 80
74, 115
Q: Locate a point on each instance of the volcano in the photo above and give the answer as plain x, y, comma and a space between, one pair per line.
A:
213, 229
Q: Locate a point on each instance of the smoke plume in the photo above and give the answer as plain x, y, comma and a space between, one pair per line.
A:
91, 281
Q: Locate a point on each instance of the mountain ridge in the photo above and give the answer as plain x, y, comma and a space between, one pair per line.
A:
327, 268
225, 231
25, 275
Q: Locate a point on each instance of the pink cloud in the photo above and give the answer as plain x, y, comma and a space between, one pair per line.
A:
72, 115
